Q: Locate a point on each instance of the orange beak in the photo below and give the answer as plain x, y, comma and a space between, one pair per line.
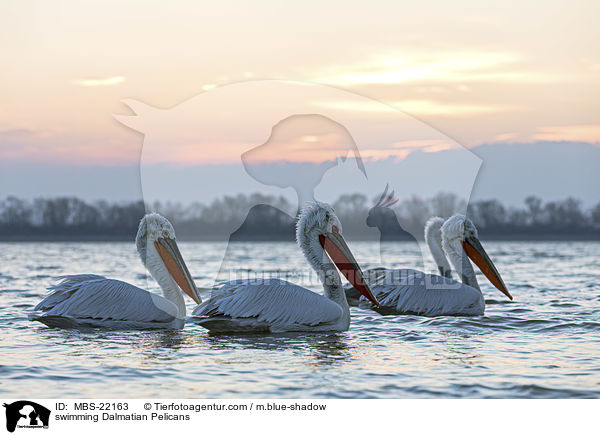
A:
477, 254
169, 252
337, 249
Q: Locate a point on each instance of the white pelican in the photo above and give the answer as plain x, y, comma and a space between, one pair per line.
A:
96, 301
408, 291
433, 238
274, 305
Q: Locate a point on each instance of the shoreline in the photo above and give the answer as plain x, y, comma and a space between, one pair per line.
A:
112, 239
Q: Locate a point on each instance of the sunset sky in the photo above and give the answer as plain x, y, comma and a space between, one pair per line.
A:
475, 71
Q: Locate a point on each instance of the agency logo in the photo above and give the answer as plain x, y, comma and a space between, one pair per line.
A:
26, 414
319, 142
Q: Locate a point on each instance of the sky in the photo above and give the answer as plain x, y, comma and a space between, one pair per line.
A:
466, 73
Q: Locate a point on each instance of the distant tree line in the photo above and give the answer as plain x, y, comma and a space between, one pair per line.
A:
68, 219
273, 218
555, 220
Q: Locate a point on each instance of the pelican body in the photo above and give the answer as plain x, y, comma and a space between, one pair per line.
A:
408, 291
274, 305
95, 301
433, 238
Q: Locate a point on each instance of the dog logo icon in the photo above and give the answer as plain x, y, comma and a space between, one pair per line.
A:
26, 414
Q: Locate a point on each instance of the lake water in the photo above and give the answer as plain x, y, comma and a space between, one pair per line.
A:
545, 344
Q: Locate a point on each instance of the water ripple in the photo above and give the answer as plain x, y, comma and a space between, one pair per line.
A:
544, 344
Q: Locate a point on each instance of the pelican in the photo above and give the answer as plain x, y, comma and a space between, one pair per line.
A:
96, 301
274, 305
408, 291
433, 238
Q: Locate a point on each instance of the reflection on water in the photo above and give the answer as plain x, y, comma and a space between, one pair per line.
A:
545, 344
315, 349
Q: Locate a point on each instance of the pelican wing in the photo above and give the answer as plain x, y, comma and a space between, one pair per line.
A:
270, 302
373, 276
97, 297
408, 291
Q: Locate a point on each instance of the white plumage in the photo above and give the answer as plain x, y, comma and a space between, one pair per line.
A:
433, 239
408, 291
274, 305
95, 301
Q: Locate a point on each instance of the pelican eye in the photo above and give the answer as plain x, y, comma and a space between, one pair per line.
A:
335, 229
165, 234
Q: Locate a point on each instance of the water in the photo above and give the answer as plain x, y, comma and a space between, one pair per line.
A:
545, 344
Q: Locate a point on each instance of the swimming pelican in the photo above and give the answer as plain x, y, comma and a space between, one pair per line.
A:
408, 291
274, 305
433, 238
96, 301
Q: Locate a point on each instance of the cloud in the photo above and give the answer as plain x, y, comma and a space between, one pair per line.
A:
451, 67
60, 147
575, 133
401, 150
426, 145
505, 137
107, 81
454, 110
424, 108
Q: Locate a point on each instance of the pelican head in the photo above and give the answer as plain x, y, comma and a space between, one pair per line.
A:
433, 228
156, 233
460, 232
319, 229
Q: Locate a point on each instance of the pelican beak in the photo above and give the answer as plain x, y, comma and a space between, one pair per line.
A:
477, 254
169, 252
337, 249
